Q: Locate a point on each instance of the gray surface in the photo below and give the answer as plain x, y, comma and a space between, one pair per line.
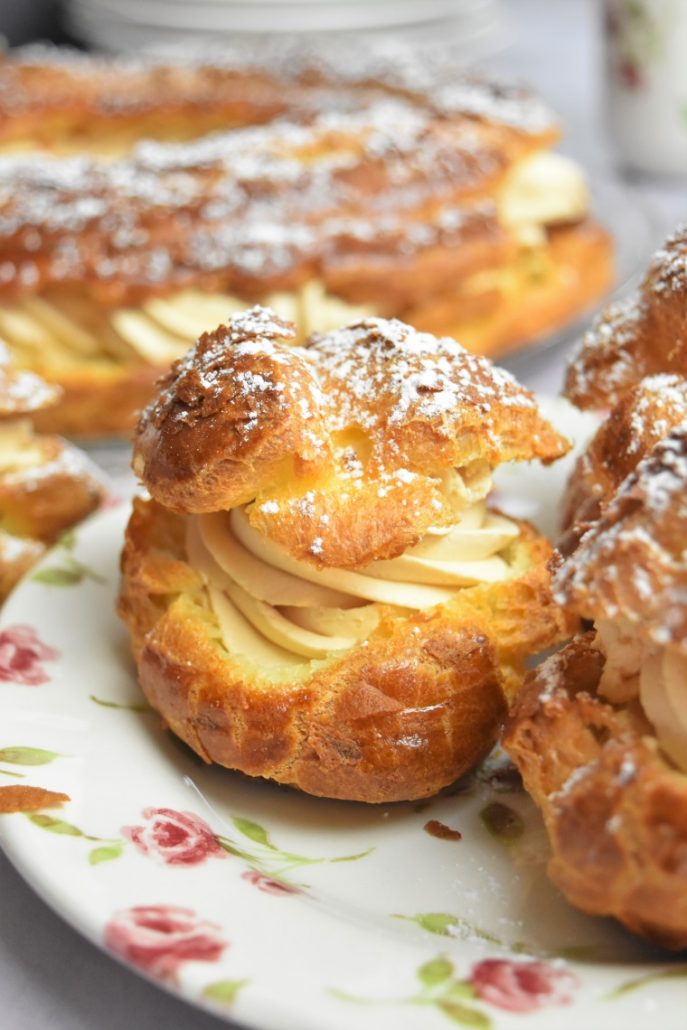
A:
50, 978
24, 20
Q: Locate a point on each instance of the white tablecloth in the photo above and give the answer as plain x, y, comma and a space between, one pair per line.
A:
50, 978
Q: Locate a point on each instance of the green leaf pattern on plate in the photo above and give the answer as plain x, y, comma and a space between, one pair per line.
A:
106, 853
223, 992
270, 860
446, 925
138, 709
27, 756
510, 985
60, 826
434, 972
53, 825
676, 972
68, 571
266, 859
440, 989
253, 831
68, 574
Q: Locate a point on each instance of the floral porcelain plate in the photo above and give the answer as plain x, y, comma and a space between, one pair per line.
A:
268, 907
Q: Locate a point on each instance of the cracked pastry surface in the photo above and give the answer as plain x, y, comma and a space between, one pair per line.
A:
317, 592
642, 335
600, 731
388, 193
642, 417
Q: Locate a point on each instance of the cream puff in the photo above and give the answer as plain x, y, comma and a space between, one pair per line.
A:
600, 729
317, 591
46, 484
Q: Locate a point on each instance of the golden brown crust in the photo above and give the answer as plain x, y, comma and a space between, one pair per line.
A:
615, 810
630, 564
640, 336
102, 399
426, 402
574, 269
326, 437
66, 100
97, 400
17, 556
46, 484
433, 175
232, 416
395, 719
645, 415
44, 499
381, 175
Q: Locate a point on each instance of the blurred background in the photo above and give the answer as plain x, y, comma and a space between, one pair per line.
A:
613, 70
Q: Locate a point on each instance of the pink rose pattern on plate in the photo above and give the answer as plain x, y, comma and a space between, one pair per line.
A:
515, 987
21, 655
184, 839
522, 986
268, 884
178, 838
158, 939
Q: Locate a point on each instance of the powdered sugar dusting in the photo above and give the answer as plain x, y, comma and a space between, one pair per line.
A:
352, 163
379, 376
22, 392
632, 562
201, 73
246, 367
382, 373
661, 403
644, 334
668, 269
245, 205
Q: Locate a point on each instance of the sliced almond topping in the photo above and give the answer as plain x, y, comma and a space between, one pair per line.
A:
148, 340
58, 325
190, 313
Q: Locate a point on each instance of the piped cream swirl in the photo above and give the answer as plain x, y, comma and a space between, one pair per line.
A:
657, 676
258, 591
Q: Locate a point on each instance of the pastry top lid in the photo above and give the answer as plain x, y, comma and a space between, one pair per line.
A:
281, 75
644, 334
243, 412
631, 564
255, 205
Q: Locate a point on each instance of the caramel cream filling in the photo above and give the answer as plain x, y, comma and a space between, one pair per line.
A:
663, 694
259, 592
545, 189
656, 675
623, 650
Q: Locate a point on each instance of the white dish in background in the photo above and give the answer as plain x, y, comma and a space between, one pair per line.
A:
476, 28
282, 911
